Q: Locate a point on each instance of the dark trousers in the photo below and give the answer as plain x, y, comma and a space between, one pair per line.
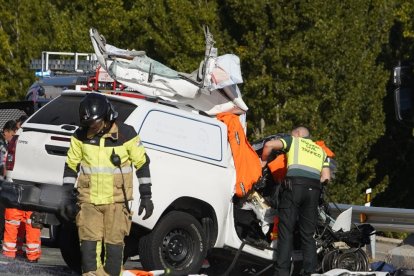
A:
299, 202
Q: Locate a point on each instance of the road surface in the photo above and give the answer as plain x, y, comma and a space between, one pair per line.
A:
52, 264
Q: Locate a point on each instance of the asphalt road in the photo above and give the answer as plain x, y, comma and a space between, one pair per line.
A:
52, 264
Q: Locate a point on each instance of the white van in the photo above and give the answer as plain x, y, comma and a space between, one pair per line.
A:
192, 172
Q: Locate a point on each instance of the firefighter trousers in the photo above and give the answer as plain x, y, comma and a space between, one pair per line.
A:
102, 228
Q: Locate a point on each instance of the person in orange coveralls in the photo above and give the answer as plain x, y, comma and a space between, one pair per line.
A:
18, 226
14, 217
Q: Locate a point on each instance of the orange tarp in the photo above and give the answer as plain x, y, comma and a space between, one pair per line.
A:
136, 273
246, 160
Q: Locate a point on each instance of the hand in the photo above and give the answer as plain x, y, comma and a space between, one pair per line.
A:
146, 203
69, 211
322, 194
68, 208
260, 184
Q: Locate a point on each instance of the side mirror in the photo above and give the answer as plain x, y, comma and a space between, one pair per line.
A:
404, 105
403, 80
403, 75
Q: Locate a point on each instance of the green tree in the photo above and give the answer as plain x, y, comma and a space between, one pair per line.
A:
323, 64
395, 150
315, 63
30, 27
172, 31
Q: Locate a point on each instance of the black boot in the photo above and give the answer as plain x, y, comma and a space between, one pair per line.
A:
114, 258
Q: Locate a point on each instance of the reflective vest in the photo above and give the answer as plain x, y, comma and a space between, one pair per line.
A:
278, 166
100, 182
304, 157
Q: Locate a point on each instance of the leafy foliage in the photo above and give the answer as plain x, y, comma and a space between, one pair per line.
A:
315, 64
322, 64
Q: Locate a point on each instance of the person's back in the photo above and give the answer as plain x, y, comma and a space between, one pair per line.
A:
307, 167
304, 158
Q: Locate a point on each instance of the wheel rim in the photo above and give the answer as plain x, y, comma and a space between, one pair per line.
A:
352, 260
177, 247
349, 262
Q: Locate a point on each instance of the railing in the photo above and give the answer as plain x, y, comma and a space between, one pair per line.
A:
382, 218
77, 62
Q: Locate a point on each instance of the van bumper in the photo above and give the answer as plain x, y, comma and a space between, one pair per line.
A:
31, 196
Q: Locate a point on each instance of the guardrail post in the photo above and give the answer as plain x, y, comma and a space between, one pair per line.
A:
363, 217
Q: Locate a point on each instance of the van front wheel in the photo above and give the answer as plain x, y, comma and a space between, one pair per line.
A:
69, 246
177, 244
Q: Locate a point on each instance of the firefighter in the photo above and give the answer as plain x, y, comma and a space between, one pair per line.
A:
103, 152
307, 167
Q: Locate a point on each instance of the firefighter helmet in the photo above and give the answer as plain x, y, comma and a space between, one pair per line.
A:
95, 107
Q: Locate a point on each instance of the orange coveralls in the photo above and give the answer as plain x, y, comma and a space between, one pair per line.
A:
14, 235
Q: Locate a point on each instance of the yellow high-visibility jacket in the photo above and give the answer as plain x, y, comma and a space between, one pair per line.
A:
100, 181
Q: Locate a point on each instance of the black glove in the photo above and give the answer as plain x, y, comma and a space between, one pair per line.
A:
68, 208
146, 203
322, 194
261, 183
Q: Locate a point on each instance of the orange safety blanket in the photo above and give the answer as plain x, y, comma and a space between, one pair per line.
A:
246, 161
135, 272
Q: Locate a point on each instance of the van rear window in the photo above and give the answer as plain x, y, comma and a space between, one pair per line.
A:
65, 110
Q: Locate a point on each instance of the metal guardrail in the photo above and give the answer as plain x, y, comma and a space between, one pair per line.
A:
382, 218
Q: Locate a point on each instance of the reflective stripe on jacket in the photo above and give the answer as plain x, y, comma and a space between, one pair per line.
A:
18, 228
304, 157
278, 166
100, 182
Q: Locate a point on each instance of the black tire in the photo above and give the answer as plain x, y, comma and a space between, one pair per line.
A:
177, 244
53, 239
353, 260
327, 261
131, 246
69, 246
